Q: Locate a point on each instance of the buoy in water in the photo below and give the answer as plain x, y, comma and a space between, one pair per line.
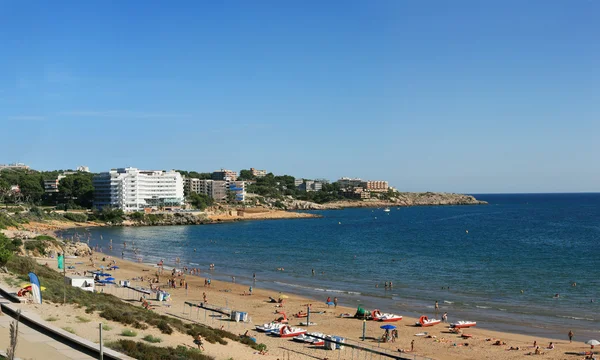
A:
467, 231
339, 223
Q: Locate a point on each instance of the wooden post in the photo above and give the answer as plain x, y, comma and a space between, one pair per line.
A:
101, 349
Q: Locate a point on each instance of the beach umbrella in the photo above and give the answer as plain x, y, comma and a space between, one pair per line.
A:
388, 327
103, 274
593, 342
113, 267
109, 279
330, 303
283, 296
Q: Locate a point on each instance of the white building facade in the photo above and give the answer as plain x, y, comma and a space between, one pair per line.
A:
131, 189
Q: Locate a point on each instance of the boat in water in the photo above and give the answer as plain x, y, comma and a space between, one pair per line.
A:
387, 209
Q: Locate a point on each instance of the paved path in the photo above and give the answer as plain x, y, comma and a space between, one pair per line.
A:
35, 345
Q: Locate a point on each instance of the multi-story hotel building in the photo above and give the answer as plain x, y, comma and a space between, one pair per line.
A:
258, 173
131, 189
375, 185
349, 182
223, 174
216, 189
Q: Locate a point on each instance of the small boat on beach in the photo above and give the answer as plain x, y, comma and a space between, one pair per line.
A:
288, 331
390, 318
309, 339
271, 327
462, 324
425, 322
304, 323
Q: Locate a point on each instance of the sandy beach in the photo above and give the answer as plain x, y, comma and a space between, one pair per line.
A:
439, 344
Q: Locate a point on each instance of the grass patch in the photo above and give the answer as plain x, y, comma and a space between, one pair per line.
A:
51, 318
69, 329
128, 333
112, 308
140, 350
81, 319
152, 339
106, 327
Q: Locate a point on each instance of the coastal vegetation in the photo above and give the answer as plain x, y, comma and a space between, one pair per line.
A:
140, 350
112, 308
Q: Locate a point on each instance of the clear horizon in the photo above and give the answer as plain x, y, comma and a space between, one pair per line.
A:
463, 97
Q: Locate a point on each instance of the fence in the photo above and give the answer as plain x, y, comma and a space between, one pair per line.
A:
216, 317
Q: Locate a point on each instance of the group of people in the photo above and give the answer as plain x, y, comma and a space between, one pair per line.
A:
335, 301
390, 336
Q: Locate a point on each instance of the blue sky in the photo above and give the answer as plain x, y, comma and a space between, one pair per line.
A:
465, 96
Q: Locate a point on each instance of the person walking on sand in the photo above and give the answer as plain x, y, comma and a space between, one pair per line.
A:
412, 346
571, 336
200, 342
335, 302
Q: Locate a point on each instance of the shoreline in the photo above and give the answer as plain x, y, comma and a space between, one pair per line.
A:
226, 293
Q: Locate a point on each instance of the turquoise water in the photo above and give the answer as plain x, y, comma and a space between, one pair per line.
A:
485, 255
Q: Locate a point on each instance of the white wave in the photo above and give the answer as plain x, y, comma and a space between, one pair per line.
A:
575, 318
448, 302
482, 307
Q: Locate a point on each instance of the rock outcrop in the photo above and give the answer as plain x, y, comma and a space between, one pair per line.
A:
401, 199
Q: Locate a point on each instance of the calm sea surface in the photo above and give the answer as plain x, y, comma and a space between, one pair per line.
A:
500, 264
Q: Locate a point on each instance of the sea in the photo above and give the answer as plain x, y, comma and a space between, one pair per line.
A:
524, 263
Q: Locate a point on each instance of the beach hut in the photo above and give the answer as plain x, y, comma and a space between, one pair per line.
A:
82, 282
238, 316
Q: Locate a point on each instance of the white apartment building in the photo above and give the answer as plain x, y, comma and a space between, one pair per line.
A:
131, 189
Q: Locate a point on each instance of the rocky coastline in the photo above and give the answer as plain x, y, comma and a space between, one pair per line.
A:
401, 200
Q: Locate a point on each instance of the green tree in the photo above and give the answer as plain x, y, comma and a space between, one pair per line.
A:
200, 201
246, 175
77, 189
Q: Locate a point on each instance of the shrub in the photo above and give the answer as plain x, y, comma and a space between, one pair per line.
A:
51, 318
78, 217
106, 327
82, 319
69, 329
152, 339
128, 333
140, 350
36, 245
136, 216
164, 327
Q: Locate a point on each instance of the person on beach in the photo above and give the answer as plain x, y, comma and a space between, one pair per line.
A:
254, 277
335, 302
200, 342
386, 285
328, 300
445, 317
412, 346
204, 297
571, 336
391, 285
551, 346
313, 272
437, 306
250, 291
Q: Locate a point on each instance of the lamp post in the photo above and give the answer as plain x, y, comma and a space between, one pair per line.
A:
364, 329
